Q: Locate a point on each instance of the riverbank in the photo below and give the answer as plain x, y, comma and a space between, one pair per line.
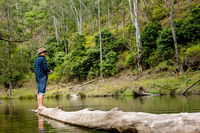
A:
123, 84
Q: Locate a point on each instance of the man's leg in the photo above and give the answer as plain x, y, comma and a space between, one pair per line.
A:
40, 101
41, 91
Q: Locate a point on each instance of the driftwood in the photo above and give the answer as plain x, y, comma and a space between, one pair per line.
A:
190, 87
127, 122
142, 92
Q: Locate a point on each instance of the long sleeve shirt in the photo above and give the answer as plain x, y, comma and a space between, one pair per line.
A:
40, 67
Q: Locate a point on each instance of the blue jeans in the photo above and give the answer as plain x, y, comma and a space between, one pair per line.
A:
41, 83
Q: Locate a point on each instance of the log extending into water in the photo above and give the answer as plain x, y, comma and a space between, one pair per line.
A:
127, 122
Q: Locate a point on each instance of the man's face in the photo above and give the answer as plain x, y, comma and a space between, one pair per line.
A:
43, 54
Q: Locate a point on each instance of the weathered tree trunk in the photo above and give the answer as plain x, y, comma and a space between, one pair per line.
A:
55, 27
108, 15
134, 18
188, 1
77, 12
171, 6
123, 20
100, 42
127, 122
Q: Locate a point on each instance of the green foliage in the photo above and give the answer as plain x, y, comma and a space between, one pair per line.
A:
165, 44
191, 57
154, 11
150, 34
77, 41
59, 58
165, 66
74, 64
188, 29
121, 64
130, 60
148, 38
80, 63
52, 46
109, 64
56, 52
35, 18
109, 42
157, 13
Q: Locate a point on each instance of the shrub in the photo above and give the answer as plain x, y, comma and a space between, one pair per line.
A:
188, 30
165, 44
148, 38
131, 60
109, 64
157, 12
54, 48
77, 41
109, 42
191, 57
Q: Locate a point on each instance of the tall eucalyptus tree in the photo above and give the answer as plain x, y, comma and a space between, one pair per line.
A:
135, 20
171, 17
77, 10
100, 40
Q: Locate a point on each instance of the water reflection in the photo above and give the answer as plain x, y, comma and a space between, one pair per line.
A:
41, 124
16, 115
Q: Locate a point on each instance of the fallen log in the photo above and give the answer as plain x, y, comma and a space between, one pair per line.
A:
127, 122
142, 92
190, 87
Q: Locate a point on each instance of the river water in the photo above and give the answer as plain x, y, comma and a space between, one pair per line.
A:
16, 115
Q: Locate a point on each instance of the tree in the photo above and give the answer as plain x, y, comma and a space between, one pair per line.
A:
171, 7
135, 21
9, 35
100, 41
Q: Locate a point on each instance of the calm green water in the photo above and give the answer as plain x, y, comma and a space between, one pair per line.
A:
16, 117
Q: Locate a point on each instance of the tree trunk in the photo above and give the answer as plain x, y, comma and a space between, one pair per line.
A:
135, 20
123, 20
9, 71
108, 15
127, 122
56, 29
188, 1
171, 5
100, 42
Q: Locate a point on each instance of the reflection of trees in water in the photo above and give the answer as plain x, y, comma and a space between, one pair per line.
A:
77, 103
9, 108
141, 99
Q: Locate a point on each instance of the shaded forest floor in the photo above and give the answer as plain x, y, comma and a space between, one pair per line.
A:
122, 84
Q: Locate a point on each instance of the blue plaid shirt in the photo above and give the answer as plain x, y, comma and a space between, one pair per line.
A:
40, 67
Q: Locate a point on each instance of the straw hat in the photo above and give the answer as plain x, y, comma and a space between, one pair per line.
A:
41, 50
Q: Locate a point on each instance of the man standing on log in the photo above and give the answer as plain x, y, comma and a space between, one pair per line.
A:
41, 74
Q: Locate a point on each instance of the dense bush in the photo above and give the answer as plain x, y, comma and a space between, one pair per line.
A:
191, 57
53, 47
109, 64
108, 42
131, 60
165, 44
148, 38
188, 29
76, 41
75, 64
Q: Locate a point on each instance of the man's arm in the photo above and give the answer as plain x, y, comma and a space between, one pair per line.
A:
45, 67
